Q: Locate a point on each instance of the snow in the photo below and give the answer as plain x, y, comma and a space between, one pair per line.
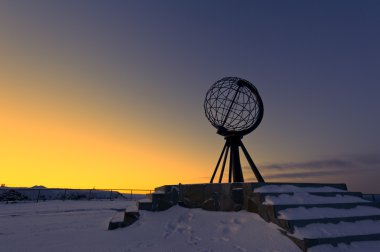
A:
369, 246
299, 213
43, 193
132, 208
303, 195
58, 206
292, 188
322, 230
307, 198
145, 200
82, 226
159, 192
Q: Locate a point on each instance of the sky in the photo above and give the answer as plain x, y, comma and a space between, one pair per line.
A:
109, 94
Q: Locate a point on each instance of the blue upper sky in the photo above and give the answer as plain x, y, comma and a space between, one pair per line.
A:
315, 63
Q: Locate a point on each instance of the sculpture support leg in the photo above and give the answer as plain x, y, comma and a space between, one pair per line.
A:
217, 165
230, 175
235, 160
235, 173
251, 163
224, 164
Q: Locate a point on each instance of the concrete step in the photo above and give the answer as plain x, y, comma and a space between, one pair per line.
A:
116, 221
124, 218
304, 244
158, 201
289, 225
308, 212
145, 204
272, 212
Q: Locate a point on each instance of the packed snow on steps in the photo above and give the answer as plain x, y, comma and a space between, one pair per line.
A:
301, 213
82, 226
327, 230
293, 188
369, 246
302, 195
307, 198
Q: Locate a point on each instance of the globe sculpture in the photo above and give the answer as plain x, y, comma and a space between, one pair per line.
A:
234, 107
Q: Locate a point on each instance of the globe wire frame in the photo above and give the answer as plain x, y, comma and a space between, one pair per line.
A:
235, 132
210, 107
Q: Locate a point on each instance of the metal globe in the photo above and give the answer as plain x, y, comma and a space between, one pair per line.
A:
233, 106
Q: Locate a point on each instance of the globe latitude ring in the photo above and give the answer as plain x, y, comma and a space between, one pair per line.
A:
233, 106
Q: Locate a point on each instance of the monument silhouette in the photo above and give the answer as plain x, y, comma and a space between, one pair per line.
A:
234, 107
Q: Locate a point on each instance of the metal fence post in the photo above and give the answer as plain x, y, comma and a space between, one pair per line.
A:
64, 196
38, 195
126, 194
89, 195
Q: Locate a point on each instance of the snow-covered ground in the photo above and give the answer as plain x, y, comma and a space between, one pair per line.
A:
82, 226
40, 193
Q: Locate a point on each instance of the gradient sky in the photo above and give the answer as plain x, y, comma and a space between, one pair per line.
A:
110, 93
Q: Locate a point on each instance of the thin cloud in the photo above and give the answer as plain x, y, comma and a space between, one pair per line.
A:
312, 169
345, 162
303, 174
369, 159
320, 164
319, 168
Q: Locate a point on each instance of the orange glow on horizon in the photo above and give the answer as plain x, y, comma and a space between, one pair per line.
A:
50, 144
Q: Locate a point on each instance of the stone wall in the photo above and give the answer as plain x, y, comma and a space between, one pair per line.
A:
213, 197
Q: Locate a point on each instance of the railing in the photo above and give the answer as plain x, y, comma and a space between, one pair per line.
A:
42, 194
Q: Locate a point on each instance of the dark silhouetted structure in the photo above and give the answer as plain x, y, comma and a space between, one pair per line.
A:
234, 106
